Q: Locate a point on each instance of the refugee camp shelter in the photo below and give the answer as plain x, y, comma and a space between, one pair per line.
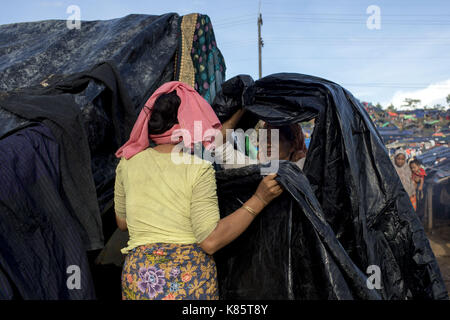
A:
69, 99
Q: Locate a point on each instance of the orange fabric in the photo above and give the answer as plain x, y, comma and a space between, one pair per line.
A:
413, 201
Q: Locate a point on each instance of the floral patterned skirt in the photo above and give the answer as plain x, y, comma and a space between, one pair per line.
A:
164, 271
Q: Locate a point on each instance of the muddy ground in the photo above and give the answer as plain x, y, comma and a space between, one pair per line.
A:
440, 243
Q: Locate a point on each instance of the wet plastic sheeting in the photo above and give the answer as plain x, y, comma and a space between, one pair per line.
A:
289, 251
10, 123
52, 59
356, 187
236, 92
141, 46
115, 65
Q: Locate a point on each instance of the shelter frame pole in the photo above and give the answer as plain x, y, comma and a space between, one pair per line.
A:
260, 45
430, 207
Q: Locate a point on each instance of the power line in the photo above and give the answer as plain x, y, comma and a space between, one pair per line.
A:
362, 14
234, 18
347, 58
340, 18
233, 23
391, 85
329, 44
244, 20
353, 21
349, 39
366, 38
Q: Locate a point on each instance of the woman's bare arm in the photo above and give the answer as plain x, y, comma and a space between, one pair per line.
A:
233, 225
121, 223
231, 123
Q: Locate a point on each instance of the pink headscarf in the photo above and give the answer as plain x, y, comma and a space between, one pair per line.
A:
193, 107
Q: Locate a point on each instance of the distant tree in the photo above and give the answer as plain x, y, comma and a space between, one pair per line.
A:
391, 107
408, 102
439, 106
448, 99
378, 105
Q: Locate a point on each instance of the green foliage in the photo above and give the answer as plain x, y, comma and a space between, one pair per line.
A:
411, 102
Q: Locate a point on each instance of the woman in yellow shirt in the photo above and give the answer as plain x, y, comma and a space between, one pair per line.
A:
171, 209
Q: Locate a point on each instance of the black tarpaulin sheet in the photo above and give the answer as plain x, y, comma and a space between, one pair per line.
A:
87, 86
40, 240
46, 58
141, 46
357, 190
91, 115
347, 166
60, 114
289, 251
435, 198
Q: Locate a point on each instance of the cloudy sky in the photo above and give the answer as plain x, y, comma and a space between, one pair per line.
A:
407, 56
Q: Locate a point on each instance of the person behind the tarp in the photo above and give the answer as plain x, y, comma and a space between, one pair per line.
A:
171, 210
404, 172
291, 145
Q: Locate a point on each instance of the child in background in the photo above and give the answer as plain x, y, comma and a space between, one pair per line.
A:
418, 173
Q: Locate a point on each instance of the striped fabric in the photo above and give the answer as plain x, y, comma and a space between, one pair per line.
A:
41, 250
6, 290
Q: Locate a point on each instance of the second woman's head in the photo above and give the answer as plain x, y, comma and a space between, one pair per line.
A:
291, 144
165, 113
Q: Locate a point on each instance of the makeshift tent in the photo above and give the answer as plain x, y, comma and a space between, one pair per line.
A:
346, 212
419, 113
354, 184
430, 157
87, 86
435, 208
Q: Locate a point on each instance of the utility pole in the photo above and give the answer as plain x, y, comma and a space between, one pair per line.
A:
260, 42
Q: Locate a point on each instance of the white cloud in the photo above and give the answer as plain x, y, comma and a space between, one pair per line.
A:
435, 93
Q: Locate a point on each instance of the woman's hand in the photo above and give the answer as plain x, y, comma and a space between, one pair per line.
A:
230, 227
268, 189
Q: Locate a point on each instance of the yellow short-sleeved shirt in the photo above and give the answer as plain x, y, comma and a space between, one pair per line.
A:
165, 202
